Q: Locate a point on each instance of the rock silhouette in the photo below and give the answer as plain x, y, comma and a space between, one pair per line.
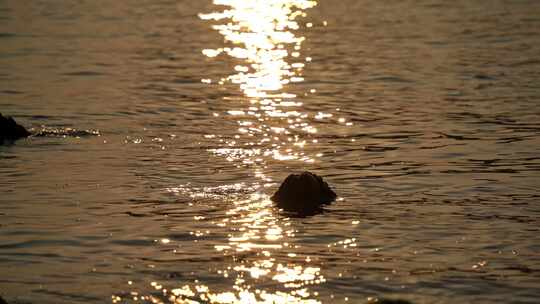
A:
11, 130
303, 193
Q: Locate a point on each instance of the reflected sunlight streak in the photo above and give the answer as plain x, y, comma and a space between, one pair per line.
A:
271, 125
260, 236
261, 37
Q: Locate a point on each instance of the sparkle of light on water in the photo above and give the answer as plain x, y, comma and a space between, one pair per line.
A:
261, 34
423, 115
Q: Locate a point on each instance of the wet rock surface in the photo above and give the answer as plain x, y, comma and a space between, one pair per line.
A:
303, 193
10, 130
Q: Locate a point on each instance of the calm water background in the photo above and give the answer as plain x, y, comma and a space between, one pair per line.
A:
433, 147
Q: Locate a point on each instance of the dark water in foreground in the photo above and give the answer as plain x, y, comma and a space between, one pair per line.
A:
423, 115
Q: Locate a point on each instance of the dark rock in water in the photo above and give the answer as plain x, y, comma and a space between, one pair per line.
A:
10, 130
303, 193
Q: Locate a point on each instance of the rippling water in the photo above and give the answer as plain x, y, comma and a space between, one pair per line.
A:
424, 116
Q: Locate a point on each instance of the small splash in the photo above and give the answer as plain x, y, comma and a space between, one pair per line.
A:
216, 192
64, 132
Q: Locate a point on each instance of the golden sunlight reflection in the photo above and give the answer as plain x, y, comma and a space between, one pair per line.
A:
254, 255
261, 37
261, 262
256, 229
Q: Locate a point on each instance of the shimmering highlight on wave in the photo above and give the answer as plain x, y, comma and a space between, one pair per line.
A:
262, 36
255, 230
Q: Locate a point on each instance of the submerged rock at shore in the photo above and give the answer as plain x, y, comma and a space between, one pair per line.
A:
303, 193
10, 130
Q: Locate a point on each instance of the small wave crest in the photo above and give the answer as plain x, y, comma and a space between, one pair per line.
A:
64, 132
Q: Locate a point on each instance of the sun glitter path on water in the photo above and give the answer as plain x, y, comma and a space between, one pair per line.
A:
261, 261
253, 254
261, 36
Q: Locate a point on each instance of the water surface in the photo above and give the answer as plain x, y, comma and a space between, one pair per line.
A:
422, 115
